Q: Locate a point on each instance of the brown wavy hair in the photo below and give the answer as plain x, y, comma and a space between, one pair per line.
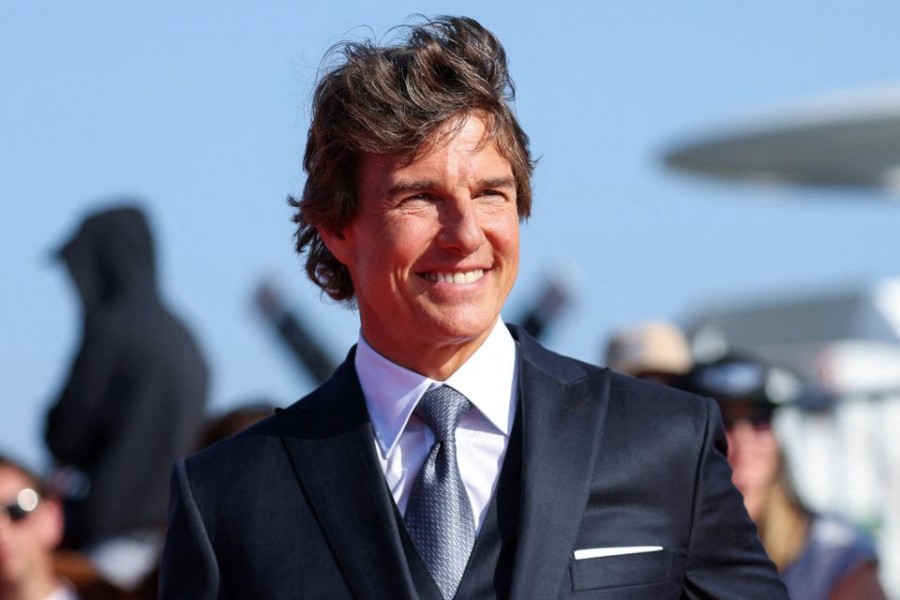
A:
394, 99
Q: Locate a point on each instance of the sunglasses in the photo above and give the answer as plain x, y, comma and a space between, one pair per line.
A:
26, 501
758, 416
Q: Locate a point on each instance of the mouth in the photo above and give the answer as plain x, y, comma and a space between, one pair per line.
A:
456, 277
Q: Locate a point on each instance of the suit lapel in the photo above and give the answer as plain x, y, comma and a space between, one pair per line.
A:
563, 415
330, 444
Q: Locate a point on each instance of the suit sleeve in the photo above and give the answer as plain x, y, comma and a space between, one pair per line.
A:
725, 556
188, 567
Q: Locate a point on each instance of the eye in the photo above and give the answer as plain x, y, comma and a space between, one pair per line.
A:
417, 198
492, 196
417, 201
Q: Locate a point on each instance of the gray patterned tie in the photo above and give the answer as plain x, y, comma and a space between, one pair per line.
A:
438, 515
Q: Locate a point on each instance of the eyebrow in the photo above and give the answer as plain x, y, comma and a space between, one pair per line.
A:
498, 182
405, 187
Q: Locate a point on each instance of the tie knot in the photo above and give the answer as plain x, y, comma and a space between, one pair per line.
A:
441, 408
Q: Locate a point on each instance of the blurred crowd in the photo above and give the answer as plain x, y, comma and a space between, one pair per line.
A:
819, 556
136, 399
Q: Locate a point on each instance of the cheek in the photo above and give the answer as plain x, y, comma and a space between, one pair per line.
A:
742, 447
512, 244
755, 455
390, 256
734, 448
769, 454
403, 239
504, 236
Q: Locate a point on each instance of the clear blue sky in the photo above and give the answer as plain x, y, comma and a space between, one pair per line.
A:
200, 109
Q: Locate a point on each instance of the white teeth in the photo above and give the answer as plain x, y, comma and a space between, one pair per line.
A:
458, 278
474, 275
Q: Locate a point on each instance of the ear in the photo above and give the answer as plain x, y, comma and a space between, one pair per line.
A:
339, 243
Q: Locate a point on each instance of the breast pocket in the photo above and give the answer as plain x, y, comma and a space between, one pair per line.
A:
621, 570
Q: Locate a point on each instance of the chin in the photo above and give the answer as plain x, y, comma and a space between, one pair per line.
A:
465, 327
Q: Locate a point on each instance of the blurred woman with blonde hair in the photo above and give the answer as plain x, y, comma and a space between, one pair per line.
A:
819, 556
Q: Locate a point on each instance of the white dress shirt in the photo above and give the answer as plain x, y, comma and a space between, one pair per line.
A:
488, 379
65, 591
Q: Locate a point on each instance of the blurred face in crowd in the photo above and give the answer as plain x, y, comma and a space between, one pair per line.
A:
753, 451
433, 250
27, 537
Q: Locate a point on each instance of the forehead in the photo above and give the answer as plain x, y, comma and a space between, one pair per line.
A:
458, 153
11, 483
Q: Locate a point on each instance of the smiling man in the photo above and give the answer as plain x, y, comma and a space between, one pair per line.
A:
447, 224
450, 455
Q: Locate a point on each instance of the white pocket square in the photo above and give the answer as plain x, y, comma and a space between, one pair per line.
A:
614, 551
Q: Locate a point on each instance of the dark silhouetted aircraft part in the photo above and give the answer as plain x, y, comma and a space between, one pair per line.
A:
549, 303
312, 357
290, 328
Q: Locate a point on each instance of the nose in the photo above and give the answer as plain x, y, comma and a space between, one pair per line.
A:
461, 229
739, 434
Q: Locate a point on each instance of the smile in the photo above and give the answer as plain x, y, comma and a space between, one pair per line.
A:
458, 278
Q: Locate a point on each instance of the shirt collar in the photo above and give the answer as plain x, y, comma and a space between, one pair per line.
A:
391, 392
65, 591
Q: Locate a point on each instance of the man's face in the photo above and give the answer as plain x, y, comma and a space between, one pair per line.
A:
26, 544
433, 251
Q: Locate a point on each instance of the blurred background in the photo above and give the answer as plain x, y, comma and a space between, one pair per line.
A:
691, 162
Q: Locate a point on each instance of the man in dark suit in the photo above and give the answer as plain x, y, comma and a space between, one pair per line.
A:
451, 455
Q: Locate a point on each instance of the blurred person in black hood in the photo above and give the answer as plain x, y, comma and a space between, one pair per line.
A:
133, 401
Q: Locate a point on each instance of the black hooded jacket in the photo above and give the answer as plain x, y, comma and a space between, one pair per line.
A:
137, 389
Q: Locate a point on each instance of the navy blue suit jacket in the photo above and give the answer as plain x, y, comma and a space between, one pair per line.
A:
297, 506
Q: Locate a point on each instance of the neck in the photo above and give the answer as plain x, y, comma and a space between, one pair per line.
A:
37, 588
435, 362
